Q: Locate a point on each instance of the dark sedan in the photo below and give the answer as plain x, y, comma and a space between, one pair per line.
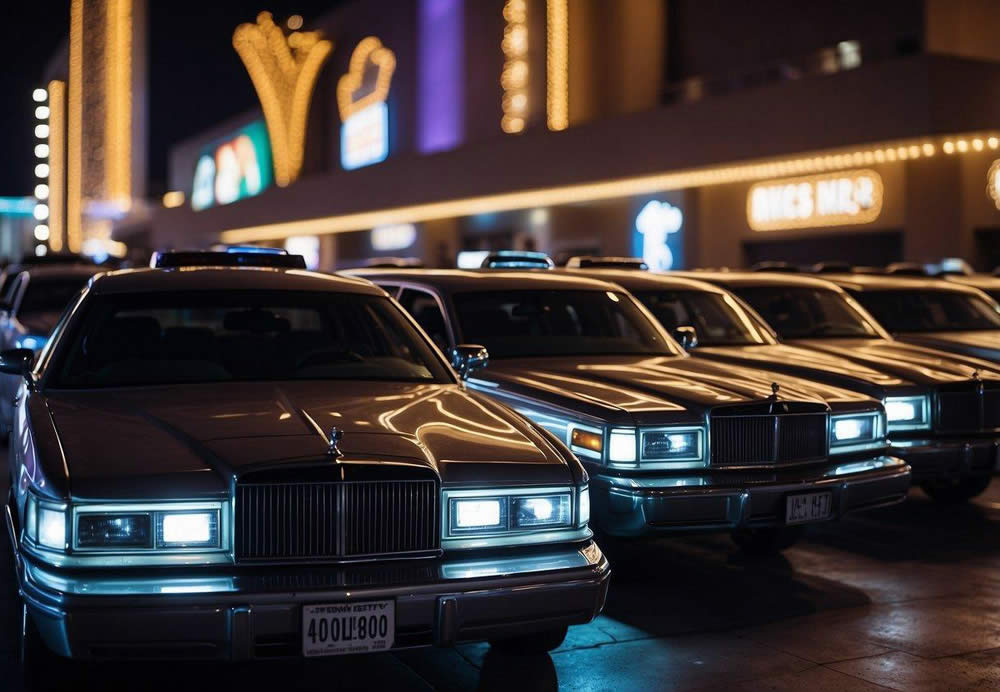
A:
247, 463
717, 325
672, 443
944, 315
965, 406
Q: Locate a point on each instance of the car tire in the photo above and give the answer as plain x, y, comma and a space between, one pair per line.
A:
534, 643
957, 493
766, 541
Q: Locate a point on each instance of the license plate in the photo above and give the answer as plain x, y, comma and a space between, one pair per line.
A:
336, 629
800, 509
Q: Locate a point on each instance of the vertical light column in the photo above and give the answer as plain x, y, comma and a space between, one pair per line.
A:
41, 208
57, 165
118, 95
557, 64
514, 78
74, 127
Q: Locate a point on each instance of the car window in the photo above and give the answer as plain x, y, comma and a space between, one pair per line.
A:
522, 323
12, 283
50, 294
803, 312
390, 289
217, 336
427, 313
717, 321
930, 310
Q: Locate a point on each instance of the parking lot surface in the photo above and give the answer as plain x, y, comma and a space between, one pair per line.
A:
904, 598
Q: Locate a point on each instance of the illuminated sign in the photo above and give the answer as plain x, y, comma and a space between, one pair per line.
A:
397, 236
993, 183
361, 95
837, 199
232, 169
305, 245
657, 224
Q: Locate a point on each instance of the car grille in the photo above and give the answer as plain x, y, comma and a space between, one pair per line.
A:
335, 520
746, 440
963, 407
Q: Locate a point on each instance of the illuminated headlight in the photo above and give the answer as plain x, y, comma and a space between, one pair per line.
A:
583, 508
510, 513
114, 531
32, 341
854, 430
622, 446
52, 528
187, 529
907, 412
670, 445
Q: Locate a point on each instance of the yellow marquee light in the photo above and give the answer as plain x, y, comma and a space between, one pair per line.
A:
962, 145
56, 187
557, 63
949, 147
928, 149
118, 107
174, 198
993, 142
831, 199
515, 73
977, 144
74, 131
283, 70
368, 50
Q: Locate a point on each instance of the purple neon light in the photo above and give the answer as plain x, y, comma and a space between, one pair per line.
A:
441, 75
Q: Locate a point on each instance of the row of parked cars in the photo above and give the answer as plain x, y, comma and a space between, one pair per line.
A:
231, 457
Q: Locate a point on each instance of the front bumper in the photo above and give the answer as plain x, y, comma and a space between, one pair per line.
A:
948, 460
257, 613
637, 506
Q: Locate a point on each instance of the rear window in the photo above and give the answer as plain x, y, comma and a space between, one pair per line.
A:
219, 336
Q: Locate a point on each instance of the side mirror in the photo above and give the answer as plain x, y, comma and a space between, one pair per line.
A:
467, 358
17, 361
687, 337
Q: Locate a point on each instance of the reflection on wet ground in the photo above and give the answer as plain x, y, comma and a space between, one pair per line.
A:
906, 597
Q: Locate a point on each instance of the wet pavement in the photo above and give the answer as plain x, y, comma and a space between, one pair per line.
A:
905, 598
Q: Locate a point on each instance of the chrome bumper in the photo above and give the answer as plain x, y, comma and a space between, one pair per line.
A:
637, 506
948, 460
257, 613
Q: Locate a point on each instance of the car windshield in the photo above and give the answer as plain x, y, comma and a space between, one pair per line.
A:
807, 312
513, 324
716, 320
214, 336
930, 310
50, 294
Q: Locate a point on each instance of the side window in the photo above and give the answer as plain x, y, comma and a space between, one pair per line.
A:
13, 290
426, 311
390, 289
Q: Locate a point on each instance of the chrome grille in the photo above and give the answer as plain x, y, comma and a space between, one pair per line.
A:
965, 407
335, 520
746, 440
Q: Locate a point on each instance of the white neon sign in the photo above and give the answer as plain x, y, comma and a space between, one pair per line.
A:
837, 199
656, 222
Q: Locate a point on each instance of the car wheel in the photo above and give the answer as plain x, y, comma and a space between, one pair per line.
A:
766, 541
534, 643
956, 493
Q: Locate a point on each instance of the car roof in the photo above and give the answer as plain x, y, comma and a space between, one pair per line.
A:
730, 279
227, 278
60, 270
452, 280
638, 280
983, 281
869, 282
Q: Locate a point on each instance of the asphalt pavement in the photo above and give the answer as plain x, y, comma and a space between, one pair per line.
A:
906, 598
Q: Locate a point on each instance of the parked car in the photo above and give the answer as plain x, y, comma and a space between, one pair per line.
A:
672, 443
818, 315
941, 314
35, 299
987, 283
717, 325
246, 463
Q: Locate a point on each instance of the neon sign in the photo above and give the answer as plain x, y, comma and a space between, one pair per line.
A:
361, 96
836, 199
656, 224
233, 169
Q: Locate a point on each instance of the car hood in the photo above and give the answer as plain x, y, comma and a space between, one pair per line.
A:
647, 390
193, 440
915, 363
810, 364
980, 343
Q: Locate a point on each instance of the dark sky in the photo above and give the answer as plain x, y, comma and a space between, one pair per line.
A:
195, 77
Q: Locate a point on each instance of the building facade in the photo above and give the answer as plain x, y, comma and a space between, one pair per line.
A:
691, 132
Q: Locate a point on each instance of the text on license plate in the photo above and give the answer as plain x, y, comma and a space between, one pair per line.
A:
808, 507
334, 629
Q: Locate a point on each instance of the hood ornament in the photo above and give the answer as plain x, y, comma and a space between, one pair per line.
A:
333, 449
775, 387
977, 380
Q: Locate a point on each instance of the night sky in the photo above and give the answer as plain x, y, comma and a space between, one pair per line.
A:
195, 77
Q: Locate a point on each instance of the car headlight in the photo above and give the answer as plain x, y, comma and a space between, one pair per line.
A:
908, 412
478, 518
622, 446
671, 444
187, 529
52, 528
114, 531
855, 431
587, 442
153, 528
35, 342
